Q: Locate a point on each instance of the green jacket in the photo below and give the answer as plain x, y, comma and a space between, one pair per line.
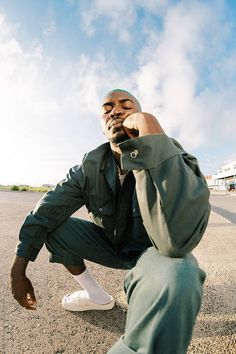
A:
170, 193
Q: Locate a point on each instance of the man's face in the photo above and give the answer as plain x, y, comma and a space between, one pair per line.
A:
116, 107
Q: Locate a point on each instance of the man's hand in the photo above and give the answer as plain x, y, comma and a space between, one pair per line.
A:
140, 124
22, 289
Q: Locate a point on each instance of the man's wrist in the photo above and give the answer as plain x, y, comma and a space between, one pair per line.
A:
19, 266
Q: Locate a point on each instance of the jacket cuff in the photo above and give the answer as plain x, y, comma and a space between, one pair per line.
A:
26, 251
147, 152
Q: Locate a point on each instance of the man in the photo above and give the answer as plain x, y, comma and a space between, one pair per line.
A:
149, 207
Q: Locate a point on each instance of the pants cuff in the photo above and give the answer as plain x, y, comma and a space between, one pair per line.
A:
69, 260
120, 348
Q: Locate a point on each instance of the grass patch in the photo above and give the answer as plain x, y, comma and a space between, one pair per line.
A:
39, 189
25, 188
14, 188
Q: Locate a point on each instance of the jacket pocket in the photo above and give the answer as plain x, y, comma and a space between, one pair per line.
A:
101, 215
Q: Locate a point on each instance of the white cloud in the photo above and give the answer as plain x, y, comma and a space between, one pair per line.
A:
117, 11
26, 111
170, 75
40, 112
122, 15
49, 117
173, 61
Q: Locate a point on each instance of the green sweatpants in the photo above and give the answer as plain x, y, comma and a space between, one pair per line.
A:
163, 294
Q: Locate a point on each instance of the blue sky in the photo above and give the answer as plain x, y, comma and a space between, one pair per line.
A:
58, 59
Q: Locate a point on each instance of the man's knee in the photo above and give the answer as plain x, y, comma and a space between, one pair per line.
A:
61, 244
155, 273
164, 296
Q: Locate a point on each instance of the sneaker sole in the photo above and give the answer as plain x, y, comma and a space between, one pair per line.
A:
88, 307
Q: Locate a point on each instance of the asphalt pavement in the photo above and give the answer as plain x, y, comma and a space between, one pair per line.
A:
51, 330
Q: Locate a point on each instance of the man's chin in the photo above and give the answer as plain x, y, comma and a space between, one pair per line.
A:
119, 137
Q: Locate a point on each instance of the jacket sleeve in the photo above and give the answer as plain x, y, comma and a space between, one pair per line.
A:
51, 210
172, 193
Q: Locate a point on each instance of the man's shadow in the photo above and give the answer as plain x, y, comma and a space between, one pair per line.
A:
231, 216
216, 317
111, 321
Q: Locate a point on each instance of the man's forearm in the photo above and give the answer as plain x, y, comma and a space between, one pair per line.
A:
171, 191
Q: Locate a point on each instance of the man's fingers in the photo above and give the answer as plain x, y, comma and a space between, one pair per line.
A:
32, 300
32, 296
132, 133
31, 293
26, 303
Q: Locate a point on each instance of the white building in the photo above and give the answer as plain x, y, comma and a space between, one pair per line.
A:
210, 182
225, 178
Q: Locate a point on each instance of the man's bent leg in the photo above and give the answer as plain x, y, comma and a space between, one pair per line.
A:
76, 240
164, 296
71, 243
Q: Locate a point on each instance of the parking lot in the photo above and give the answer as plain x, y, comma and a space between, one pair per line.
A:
52, 330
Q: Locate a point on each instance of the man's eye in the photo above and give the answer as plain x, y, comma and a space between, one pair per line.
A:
107, 111
126, 107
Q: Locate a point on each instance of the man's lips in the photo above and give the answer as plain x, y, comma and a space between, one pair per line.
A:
115, 124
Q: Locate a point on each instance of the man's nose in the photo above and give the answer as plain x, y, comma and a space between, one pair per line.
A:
116, 112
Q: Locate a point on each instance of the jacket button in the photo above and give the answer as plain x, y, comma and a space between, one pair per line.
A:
134, 154
100, 209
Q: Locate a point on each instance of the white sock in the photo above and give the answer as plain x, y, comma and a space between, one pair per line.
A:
92, 289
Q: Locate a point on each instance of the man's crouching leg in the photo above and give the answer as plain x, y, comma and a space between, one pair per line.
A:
71, 243
164, 296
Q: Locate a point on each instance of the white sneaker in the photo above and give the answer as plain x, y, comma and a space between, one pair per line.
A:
78, 301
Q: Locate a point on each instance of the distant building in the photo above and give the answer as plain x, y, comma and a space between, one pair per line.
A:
47, 185
210, 181
225, 178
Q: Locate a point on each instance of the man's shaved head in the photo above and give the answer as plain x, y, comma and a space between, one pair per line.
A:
109, 94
